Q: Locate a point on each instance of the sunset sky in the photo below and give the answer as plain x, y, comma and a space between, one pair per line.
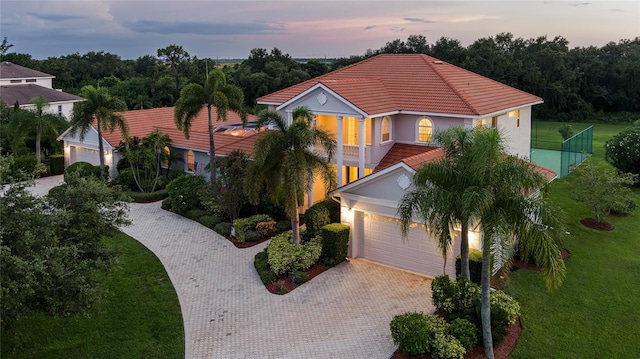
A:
230, 29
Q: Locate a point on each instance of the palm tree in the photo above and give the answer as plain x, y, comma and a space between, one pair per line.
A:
511, 206
22, 122
443, 195
101, 107
215, 93
284, 161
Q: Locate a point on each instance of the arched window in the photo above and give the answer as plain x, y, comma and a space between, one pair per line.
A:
386, 130
191, 161
165, 156
425, 130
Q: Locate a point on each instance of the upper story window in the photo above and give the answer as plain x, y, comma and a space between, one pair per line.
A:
425, 130
30, 80
60, 110
165, 157
16, 81
191, 161
515, 113
483, 122
386, 130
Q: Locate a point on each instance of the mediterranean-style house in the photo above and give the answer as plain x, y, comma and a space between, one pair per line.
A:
192, 153
384, 112
20, 85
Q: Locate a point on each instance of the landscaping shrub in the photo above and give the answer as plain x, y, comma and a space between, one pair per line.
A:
125, 179
182, 192
195, 213
475, 266
209, 221
84, 169
242, 225
566, 131
223, 228
455, 299
300, 277
504, 312
625, 207
26, 163
623, 150
465, 331
173, 174
409, 332
261, 263
141, 197
252, 236
283, 226
445, 346
56, 164
122, 164
166, 204
442, 292
266, 229
335, 243
316, 217
285, 257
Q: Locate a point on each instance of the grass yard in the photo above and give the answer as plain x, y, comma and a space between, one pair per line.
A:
140, 316
595, 312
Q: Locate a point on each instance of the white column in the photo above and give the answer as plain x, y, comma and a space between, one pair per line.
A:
339, 154
289, 117
361, 136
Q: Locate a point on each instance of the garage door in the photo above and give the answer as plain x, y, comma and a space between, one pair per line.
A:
382, 242
80, 154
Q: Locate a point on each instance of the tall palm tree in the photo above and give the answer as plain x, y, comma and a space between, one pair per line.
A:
100, 106
510, 207
23, 122
284, 161
443, 194
215, 93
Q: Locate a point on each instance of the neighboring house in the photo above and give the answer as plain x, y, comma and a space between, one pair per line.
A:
384, 112
20, 85
192, 154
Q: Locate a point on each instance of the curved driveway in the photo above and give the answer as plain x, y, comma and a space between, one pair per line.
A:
227, 312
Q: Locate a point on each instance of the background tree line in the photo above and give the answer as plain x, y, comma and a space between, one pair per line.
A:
578, 84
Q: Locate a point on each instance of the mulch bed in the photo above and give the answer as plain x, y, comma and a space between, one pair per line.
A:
245, 244
591, 223
285, 284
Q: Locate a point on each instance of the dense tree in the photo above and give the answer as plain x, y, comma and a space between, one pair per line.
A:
284, 162
623, 150
215, 93
99, 107
233, 172
145, 158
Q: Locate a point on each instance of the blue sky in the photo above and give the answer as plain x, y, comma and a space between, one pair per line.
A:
230, 29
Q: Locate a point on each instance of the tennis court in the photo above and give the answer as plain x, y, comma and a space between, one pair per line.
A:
573, 152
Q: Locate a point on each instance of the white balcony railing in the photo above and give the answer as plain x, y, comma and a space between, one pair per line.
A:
350, 153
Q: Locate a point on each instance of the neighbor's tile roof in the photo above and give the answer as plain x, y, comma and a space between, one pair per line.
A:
401, 151
412, 82
10, 94
10, 70
142, 122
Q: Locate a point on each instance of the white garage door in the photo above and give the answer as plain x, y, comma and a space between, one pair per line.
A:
80, 154
382, 242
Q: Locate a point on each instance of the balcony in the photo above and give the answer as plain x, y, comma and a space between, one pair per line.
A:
349, 154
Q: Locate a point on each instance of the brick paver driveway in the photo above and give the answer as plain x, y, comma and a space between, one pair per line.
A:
227, 312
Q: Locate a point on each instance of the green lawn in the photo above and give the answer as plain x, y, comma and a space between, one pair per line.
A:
595, 313
139, 317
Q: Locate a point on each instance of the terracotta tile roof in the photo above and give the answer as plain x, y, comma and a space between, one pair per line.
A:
401, 151
10, 94
10, 70
142, 122
412, 82
416, 161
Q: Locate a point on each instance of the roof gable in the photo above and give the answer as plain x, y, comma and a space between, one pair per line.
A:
388, 83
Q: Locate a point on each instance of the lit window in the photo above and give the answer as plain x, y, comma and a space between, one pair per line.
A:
425, 130
191, 161
494, 121
386, 130
515, 113
165, 158
482, 122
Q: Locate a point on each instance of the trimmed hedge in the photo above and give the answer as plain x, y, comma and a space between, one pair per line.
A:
285, 257
252, 236
166, 204
195, 214
335, 243
465, 331
148, 197
416, 333
182, 192
261, 263
85, 169
242, 225
316, 217
209, 221
223, 228
56, 164
475, 266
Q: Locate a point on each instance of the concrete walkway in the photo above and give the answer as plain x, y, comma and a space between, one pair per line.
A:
227, 312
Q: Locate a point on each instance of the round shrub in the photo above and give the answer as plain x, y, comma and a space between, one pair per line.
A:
261, 264
173, 174
195, 213
285, 257
84, 169
283, 226
209, 221
475, 266
446, 347
410, 332
182, 192
252, 236
223, 228
300, 277
623, 150
501, 301
125, 178
316, 217
442, 292
266, 229
166, 204
465, 331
